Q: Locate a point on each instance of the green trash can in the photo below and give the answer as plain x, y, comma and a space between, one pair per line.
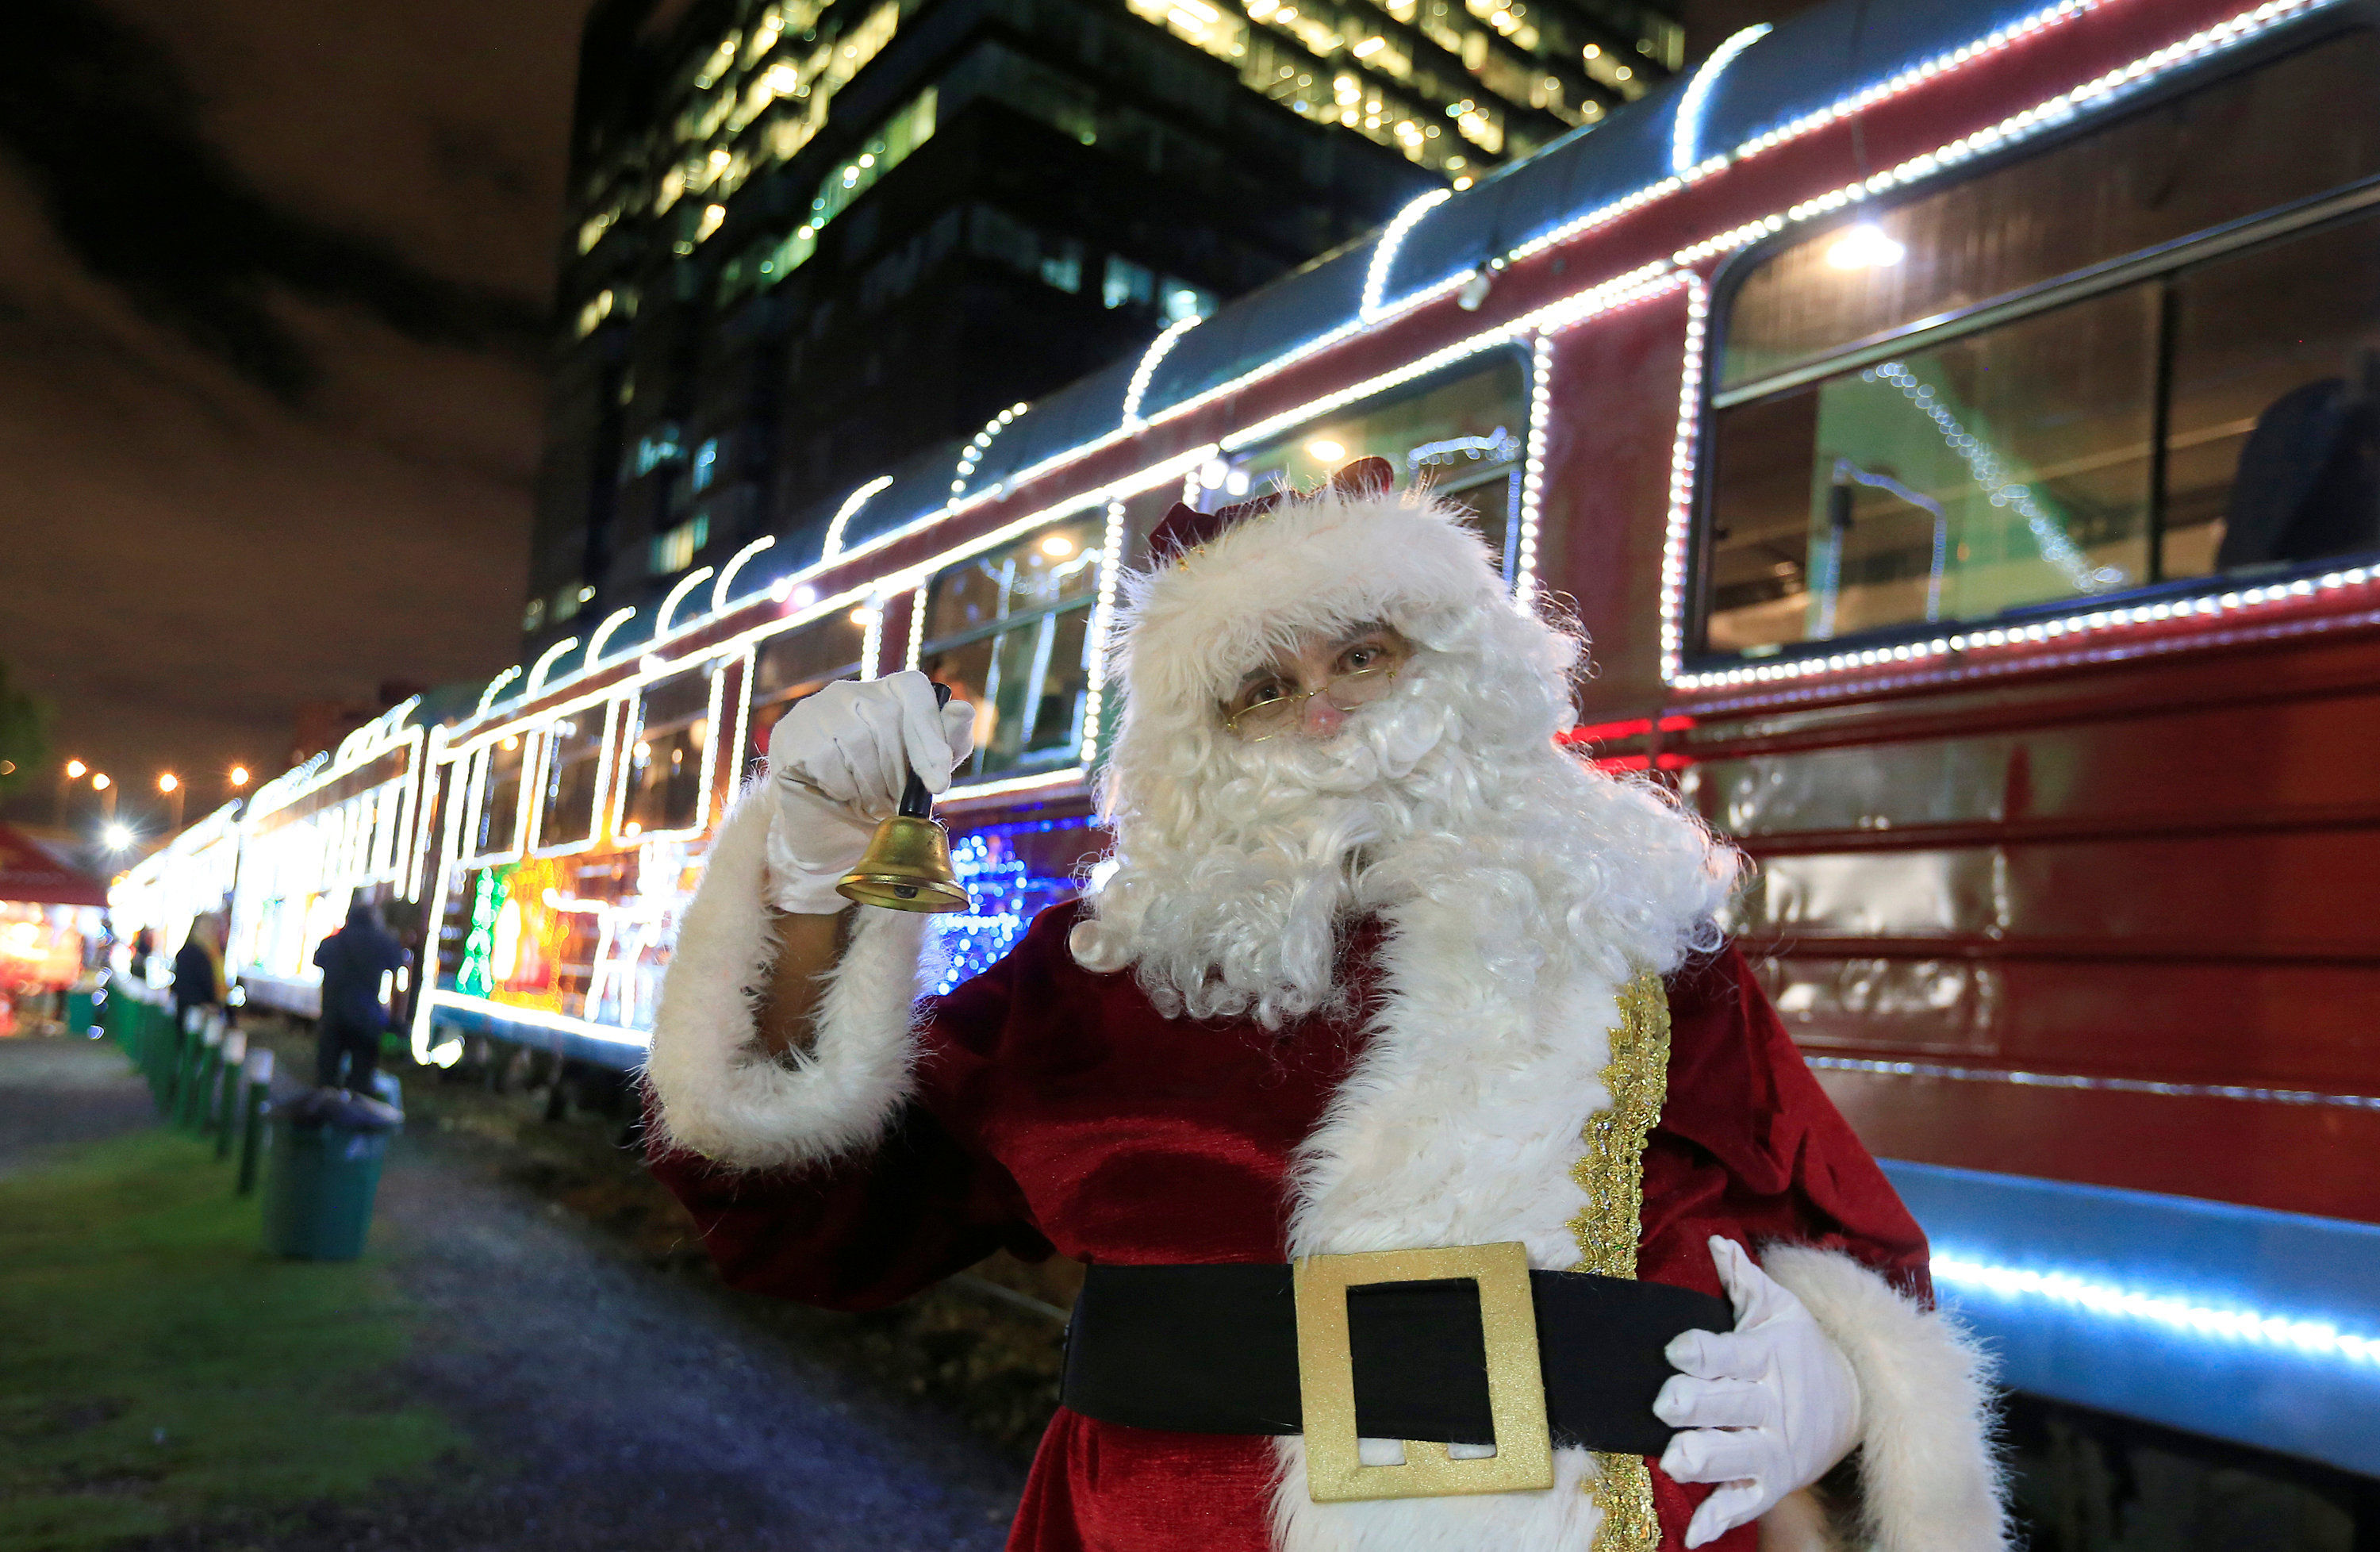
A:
82, 1017
327, 1151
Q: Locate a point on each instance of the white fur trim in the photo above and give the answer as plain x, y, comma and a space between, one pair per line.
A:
1312, 563
1458, 1125
717, 1094
1929, 1480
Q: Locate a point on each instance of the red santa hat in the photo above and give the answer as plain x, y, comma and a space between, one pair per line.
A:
1228, 588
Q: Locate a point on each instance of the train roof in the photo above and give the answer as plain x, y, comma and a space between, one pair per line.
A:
1763, 86
1763, 81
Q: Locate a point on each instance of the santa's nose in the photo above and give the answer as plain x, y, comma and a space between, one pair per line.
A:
1320, 718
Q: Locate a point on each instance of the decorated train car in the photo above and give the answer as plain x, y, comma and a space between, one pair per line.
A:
1955, 426
346, 825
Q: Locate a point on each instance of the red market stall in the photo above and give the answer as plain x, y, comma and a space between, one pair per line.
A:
49, 912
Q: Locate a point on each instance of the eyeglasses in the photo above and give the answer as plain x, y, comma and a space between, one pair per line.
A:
1277, 714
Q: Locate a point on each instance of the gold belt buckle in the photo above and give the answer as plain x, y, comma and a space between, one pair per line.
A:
1523, 1461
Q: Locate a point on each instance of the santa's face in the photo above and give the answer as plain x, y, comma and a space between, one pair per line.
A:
1310, 690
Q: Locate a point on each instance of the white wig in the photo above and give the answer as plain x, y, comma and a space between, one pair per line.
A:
1238, 864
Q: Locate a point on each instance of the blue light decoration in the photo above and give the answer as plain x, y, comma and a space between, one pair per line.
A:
1007, 894
2232, 1322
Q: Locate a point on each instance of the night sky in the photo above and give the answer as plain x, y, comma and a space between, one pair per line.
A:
273, 283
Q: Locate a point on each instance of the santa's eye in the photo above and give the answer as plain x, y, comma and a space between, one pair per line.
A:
1262, 693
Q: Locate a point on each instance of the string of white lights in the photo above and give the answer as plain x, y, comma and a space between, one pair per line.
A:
1159, 348
495, 687
675, 596
719, 590
1393, 238
545, 661
981, 443
1686, 123
845, 513
1095, 651
1533, 467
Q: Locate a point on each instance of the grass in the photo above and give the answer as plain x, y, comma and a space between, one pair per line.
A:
158, 1370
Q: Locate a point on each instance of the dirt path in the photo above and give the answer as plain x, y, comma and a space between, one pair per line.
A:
608, 1404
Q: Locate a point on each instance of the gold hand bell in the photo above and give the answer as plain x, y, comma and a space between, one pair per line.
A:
907, 867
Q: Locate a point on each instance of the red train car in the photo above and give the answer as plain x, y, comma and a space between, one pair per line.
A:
1958, 427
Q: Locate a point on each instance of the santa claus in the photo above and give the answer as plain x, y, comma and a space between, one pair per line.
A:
1380, 967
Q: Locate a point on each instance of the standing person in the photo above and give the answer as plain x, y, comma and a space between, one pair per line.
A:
360, 962
198, 972
1381, 967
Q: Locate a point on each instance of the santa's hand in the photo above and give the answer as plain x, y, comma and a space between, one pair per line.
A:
838, 762
1768, 1408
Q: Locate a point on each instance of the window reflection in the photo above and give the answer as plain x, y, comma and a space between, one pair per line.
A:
2007, 468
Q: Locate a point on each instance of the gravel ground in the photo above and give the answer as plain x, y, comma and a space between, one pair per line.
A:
612, 1404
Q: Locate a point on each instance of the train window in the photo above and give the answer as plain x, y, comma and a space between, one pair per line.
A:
801, 662
2273, 433
2228, 151
2220, 417
2004, 469
1466, 437
573, 760
668, 762
1009, 631
500, 800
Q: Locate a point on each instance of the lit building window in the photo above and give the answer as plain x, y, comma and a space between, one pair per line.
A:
657, 447
675, 550
1061, 265
1127, 283
1181, 301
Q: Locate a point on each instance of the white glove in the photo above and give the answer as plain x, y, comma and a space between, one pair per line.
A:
838, 762
1769, 1407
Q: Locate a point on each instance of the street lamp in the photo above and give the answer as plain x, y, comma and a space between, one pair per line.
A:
73, 773
171, 785
239, 776
117, 837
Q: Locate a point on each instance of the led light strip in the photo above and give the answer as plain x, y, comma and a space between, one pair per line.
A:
1384, 252
1159, 348
845, 513
976, 449
675, 596
1683, 448
2312, 1338
2079, 1081
604, 633
1533, 467
1686, 124
917, 652
735, 564
1102, 618
495, 687
545, 662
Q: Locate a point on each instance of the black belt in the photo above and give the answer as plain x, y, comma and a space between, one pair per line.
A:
1213, 1350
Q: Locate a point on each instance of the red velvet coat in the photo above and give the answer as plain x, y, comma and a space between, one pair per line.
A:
1057, 1109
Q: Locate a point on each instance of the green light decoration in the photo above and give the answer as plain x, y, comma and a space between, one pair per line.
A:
475, 977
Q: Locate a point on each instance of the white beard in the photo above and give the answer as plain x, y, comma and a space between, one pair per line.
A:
1443, 791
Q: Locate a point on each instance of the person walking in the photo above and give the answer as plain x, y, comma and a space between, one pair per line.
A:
198, 972
359, 963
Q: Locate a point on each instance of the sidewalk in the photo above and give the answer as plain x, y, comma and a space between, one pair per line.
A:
495, 1373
